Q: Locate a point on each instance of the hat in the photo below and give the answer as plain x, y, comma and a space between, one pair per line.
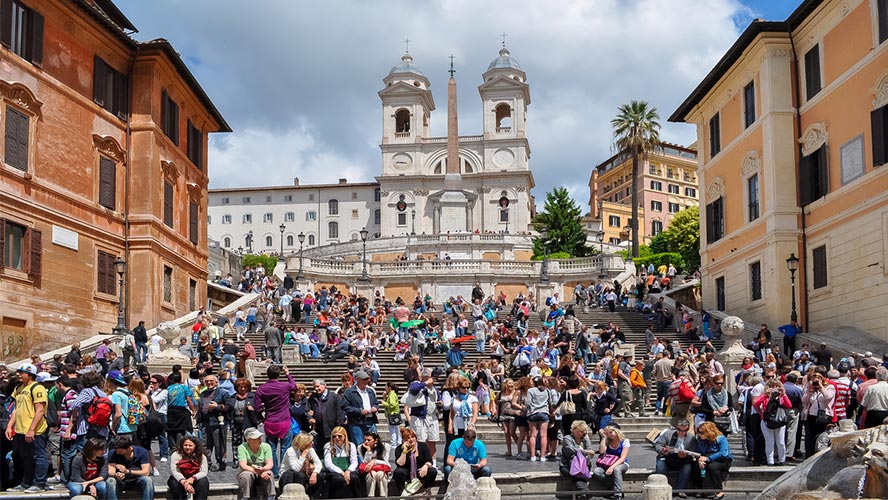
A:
843, 367
28, 368
116, 376
45, 377
362, 375
252, 433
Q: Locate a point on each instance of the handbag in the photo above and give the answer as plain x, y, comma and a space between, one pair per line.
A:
568, 407
579, 467
605, 461
722, 422
412, 487
735, 423
395, 419
823, 418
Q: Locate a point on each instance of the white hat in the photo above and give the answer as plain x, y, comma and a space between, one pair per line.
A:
27, 368
45, 377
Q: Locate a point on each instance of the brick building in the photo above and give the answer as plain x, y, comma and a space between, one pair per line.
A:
103, 145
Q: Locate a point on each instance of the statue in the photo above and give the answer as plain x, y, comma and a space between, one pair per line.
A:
732, 326
461, 484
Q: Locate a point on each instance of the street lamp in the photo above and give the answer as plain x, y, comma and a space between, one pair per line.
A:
544, 269
282, 228
600, 236
120, 267
240, 250
364, 278
413, 216
250, 241
301, 238
792, 263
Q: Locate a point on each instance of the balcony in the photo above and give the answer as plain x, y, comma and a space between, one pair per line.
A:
503, 130
402, 134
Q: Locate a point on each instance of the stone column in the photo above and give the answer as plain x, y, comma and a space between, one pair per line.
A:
487, 489
656, 488
293, 491
544, 290
364, 289
732, 361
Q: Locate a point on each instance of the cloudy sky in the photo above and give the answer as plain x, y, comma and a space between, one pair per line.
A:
297, 80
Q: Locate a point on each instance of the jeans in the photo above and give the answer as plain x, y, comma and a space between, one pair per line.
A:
356, 432
141, 483
274, 352
476, 472
774, 438
310, 349
201, 489
278, 454
67, 451
33, 459
77, 489
615, 480
662, 394
683, 466
141, 352
479, 345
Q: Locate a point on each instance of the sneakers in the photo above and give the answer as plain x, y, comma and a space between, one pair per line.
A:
543, 459
163, 459
156, 472
54, 479
34, 489
534, 458
17, 489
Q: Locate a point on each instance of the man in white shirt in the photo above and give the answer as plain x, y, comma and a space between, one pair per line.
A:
715, 368
656, 347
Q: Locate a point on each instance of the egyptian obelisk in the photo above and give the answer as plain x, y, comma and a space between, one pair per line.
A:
453, 202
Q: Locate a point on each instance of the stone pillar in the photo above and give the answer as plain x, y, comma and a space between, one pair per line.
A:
365, 290
544, 290
487, 489
732, 361
293, 491
656, 488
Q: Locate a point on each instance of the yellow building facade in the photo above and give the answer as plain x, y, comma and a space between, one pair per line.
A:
792, 125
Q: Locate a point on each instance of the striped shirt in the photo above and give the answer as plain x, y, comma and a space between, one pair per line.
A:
842, 400
80, 404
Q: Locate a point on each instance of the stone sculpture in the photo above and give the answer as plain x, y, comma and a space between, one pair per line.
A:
732, 326
461, 485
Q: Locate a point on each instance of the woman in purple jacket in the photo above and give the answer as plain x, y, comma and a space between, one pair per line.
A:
273, 397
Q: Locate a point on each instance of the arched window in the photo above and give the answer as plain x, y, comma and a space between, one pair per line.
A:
333, 207
377, 217
402, 121
226, 242
503, 118
377, 195
311, 240
354, 237
290, 240
333, 230
268, 241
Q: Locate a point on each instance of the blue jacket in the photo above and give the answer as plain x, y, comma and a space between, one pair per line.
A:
353, 404
717, 450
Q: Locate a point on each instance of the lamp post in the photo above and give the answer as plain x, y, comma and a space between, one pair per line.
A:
282, 228
544, 269
792, 263
240, 250
600, 236
120, 267
364, 277
301, 238
413, 217
250, 241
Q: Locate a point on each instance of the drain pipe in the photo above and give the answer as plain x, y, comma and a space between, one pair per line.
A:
798, 116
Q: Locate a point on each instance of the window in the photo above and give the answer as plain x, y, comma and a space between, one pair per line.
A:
354, 237
755, 281
377, 217
226, 219
715, 220
653, 169
673, 188
107, 183
749, 104
402, 218
752, 195
289, 217
311, 197
402, 121
14, 245
812, 71
106, 273
268, 241
613, 221
192, 294
813, 176
268, 218
311, 240
720, 293
656, 227
169, 117
22, 31
290, 240
504, 216
110, 88
167, 284
209, 220
656, 206
226, 242
882, 15
674, 208
879, 122
193, 218
311, 215
18, 128
225, 201
354, 196
656, 185
818, 255
714, 136
168, 204
268, 199
333, 230
669, 173
22, 249
377, 195
195, 145
691, 192
333, 207
245, 200
288, 198
614, 241
247, 219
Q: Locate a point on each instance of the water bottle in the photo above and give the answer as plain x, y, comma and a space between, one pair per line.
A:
703, 471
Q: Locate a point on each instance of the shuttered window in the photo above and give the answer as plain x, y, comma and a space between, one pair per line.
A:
715, 220
17, 131
107, 183
21, 30
813, 177
752, 193
167, 284
749, 104
193, 214
812, 72
714, 135
169, 117
21, 248
195, 145
110, 88
882, 15
192, 295
168, 204
720, 293
818, 255
879, 122
106, 273
755, 281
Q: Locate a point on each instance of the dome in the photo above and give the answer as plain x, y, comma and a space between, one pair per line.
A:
406, 66
504, 61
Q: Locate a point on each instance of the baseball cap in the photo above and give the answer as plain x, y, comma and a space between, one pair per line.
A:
361, 374
116, 376
27, 368
252, 433
46, 377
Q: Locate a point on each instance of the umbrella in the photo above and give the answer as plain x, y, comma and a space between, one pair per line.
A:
413, 322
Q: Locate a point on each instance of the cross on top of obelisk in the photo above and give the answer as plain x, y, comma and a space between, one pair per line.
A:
504, 39
452, 71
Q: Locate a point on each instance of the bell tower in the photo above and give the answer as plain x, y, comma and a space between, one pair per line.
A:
505, 96
407, 104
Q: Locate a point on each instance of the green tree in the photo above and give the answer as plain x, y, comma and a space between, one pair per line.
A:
637, 131
267, 261
658, 245
561, 219
683, 237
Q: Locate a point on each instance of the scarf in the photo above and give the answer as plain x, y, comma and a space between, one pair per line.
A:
413, 462
465, 409
717, 399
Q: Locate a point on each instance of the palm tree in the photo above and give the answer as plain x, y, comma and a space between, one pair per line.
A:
637, 131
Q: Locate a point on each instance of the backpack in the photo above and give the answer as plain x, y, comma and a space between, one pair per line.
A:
7, 406
52, 410
775, 415
548, 301
99, 411
136, 412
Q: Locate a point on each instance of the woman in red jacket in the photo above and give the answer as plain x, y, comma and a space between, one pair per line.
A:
773, 421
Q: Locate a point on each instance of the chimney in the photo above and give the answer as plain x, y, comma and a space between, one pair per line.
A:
295, 181
343, 180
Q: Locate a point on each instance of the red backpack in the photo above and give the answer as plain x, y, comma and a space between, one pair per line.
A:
99, 411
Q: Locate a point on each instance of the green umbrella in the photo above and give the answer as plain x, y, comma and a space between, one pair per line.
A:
413, 322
